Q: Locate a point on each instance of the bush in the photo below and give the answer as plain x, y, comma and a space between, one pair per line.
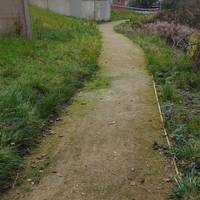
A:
176, 34
181, 36
184, 11
193, 49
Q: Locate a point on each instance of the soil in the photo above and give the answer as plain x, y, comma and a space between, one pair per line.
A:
101, 147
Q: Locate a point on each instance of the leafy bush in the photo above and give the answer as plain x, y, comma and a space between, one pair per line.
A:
176, 34
174, 23
37, 77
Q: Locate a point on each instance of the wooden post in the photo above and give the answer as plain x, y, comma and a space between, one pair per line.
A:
27, 19
15, 17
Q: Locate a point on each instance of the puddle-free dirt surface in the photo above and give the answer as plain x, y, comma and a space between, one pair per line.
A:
101, 148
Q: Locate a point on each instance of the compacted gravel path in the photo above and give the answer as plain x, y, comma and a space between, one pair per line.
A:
101, 148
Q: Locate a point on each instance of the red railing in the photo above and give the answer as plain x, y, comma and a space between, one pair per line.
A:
122, 5
118, 5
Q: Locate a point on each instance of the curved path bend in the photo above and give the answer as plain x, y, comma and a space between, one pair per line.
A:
102, 146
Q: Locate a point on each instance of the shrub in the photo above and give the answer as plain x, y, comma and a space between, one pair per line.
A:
193, 49
181, 36
176, 34
184, 11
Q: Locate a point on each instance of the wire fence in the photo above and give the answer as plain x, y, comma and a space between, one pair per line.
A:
120, 5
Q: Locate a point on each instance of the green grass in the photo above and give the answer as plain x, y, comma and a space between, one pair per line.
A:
122, 14
168, 92
177, 80
37, 77
187, 188
98, 83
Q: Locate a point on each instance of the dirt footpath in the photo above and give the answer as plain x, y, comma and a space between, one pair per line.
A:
102, 146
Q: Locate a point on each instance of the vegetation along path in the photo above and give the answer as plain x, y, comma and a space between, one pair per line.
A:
102, 145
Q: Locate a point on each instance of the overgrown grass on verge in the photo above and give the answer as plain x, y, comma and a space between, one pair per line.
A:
98, 83
177, 80
118, 14
122, 14
37, 77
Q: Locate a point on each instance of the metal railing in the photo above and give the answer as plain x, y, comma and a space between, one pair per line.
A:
118, 5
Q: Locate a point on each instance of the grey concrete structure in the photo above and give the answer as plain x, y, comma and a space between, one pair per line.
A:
88, 9
15, 17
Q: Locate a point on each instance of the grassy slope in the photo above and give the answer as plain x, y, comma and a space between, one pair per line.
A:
122, 14
177, 80
37, 77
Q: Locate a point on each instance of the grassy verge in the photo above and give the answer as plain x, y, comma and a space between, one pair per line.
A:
122, 14
177, 80
37, 77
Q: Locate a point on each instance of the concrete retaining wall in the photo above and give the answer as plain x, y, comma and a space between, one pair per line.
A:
98, 10
61, 6
89, 9
103, 10
40, 3
15, 17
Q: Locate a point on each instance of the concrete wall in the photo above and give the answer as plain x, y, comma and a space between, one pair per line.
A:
103, 10
98, 10
40, 3
89, 9
59, 6
15, 17
75, 8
